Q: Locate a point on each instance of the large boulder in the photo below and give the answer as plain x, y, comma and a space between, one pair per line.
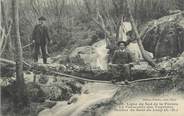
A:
133, 47
61, 88
94, 56
164, 37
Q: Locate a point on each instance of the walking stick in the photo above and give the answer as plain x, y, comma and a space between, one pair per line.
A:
27, 45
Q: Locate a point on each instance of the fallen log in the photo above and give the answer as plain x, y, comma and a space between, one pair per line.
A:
9, 63
80, 78
48, 69
45, 68
144, 80
6, 61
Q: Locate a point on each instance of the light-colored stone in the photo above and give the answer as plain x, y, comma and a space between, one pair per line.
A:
94, 56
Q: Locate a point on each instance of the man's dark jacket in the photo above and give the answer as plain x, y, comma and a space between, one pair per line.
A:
40, 34
122, 57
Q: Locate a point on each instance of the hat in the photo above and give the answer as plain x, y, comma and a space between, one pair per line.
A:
42, 18
125, 43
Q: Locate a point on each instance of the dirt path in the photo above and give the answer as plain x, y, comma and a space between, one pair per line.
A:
97, 93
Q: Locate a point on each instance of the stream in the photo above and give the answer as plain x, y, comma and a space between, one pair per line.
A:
97, 92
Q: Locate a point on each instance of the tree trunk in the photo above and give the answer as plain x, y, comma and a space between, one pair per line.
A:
145, 56
20, 96
0, 15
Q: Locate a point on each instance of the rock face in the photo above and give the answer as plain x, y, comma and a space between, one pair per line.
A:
136, 52
55, 89
176, 64
94, 56
165, 36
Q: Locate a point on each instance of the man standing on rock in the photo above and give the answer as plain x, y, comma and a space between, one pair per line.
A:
40, 37
120, 64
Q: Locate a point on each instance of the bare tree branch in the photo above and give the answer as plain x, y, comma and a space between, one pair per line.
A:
6, 38
145, 56
34, 8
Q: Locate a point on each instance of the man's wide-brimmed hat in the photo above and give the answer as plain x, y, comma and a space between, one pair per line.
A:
42, 18
124, 42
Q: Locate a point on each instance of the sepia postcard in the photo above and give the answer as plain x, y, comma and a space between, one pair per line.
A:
92, 57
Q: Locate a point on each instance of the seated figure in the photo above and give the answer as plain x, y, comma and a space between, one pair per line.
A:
120, 64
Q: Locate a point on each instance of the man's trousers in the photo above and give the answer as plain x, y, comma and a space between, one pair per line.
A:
43, 50
121, 72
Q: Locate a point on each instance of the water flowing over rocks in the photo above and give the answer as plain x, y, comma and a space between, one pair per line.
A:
94, 56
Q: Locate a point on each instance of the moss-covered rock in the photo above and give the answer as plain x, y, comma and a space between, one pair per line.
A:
35, 93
